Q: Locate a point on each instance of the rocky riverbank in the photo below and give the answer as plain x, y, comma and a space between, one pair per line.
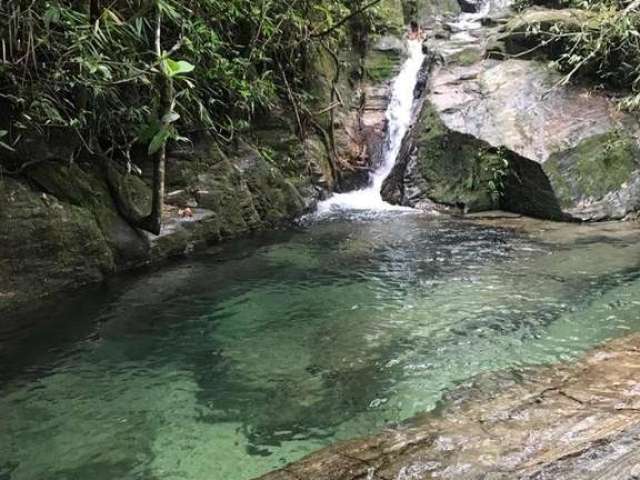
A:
62, 217
579, 421
500, 129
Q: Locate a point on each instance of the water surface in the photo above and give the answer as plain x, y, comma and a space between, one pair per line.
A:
246, 357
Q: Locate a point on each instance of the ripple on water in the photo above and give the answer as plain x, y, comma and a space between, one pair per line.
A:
239, 361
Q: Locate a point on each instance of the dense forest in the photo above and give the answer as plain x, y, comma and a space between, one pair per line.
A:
130, 76
319, 239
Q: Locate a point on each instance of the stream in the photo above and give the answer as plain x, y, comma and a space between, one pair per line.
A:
251, 355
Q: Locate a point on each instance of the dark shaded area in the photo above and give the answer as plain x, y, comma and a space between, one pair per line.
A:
527, 190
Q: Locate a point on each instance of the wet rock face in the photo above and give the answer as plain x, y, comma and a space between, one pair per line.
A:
586, 148
579, 422
571, 154
46, 244
60, 228
470, 6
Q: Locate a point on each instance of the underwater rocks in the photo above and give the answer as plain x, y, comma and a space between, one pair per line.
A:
579, 422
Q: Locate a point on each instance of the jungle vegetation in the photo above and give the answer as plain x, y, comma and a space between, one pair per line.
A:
118, 75
603, 51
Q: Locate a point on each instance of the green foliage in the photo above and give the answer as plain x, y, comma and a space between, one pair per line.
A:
605, 50
3, 133
93, 70
496, 164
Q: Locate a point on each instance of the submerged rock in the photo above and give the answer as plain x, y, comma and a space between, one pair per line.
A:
578, 421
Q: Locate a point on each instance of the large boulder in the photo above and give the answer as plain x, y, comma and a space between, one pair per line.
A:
60, 226
529, 33
46, 244
571, 153
424, 11
562, 422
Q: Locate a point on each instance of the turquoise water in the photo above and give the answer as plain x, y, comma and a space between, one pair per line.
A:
246, 357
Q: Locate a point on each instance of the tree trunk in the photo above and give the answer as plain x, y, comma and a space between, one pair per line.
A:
153, 222
94, 11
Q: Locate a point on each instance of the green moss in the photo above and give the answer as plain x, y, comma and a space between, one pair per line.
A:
381, 66
390, 12
597, 166
468, 56
458, 169
422, 10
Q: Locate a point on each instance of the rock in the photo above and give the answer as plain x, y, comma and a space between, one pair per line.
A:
180, 198
446, 166
425, 11
47, 244
86, 188
60, 228
320, 167
571, 153
544, 19
392, 13
382, 65
574, 422
470, 6
390, 43
524, 32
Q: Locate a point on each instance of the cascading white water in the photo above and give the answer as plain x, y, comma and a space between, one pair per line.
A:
399, 115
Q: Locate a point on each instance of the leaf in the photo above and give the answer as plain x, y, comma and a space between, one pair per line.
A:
51, 15
158, 141
147, 131
3, 133
174, 68
170, 117
108, 13
8, 147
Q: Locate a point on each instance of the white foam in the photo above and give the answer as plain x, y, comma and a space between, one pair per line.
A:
399, 115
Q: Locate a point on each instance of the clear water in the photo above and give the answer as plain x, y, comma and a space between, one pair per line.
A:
239, 360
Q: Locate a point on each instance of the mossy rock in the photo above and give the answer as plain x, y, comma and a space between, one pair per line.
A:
47, 244
544, 19
319, 164
86, 188
467, 56
183, 167
274, 197
457, 168
597, 166
223, 191
321, 75
392, 15
381, 66
424, 10
526, 31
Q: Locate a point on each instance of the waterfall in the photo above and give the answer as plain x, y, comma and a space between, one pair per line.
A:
399, 116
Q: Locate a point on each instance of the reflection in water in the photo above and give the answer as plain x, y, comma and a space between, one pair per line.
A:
241, 360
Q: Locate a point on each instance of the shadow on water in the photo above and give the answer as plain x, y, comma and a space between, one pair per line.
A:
251, 355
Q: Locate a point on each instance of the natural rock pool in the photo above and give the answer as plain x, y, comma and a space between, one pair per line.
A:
246, 357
